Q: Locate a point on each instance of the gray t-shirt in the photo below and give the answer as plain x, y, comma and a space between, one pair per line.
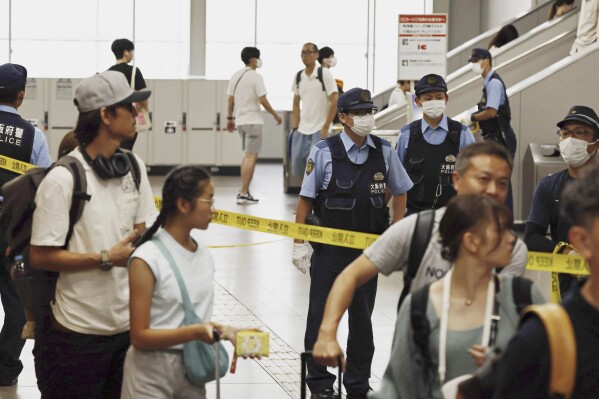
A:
391, 251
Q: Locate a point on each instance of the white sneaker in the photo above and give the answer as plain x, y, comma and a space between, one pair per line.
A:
246, 199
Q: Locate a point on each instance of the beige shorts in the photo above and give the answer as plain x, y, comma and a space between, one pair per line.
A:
251, 138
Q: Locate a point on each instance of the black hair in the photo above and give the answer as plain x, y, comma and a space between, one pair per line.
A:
483, 148
504, 36
557, 3
119, 46
579, 204
185, 182
11, 97
88, 124
463, 214
325, 53
401, 82
249, 52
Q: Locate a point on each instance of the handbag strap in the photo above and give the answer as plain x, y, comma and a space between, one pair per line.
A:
165, 252
133, 77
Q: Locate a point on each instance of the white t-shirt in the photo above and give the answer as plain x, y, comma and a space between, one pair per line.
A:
91, 301
390, 252
249, 89
398, 97
314, 105
197, 270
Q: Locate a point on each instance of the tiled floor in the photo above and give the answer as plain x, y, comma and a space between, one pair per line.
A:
258, 285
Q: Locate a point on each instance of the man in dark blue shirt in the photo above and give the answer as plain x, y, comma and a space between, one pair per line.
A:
577, 133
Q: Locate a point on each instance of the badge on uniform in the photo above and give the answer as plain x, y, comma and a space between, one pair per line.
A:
483, 100
309, 167
450, 158
431, 80
378, 176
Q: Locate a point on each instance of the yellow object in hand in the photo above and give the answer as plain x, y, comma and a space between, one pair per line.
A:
250, 342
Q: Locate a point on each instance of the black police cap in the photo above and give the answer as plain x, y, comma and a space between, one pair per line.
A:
479, 54
430, 82
12, 78
354, 99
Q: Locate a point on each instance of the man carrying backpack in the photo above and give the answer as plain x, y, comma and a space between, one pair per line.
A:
21, 141
528, 368
82, 353
481, 168
315, 87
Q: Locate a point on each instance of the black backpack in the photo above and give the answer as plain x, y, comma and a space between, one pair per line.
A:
17, 216
298, 78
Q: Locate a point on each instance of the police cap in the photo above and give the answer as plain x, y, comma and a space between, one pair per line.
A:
430, 82
12, 78
480, 54
354, 99
582, 114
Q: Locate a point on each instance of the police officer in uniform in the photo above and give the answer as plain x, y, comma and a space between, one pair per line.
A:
19, 140
494, 115
348, 180
578, 134
428, 147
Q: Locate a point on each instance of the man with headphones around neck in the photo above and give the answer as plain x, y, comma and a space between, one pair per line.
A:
82, 354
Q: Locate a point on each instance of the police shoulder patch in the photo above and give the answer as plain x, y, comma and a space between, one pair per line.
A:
309, 166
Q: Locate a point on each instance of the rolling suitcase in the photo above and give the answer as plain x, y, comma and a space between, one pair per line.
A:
304, 358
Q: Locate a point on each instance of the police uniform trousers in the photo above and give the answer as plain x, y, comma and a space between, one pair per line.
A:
327, 263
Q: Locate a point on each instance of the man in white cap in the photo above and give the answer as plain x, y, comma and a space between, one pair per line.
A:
81, 354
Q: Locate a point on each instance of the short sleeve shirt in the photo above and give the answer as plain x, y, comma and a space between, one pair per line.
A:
432, 136
246, 87
495, 91
127, 70
391, 251
91, 301
314, 101
319, 178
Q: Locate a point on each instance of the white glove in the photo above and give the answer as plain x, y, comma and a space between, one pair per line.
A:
301, 256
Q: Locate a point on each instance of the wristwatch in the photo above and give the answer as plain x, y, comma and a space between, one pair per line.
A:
105, 262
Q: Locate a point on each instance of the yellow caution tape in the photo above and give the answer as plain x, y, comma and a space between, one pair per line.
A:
539, 261
15, 165
324, 235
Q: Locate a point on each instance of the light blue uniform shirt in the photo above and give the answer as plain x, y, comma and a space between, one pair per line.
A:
434, 136
398, 180
495, 96
40, 155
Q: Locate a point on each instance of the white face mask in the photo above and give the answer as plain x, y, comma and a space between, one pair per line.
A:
477, 68
331, 61
434, 108
258, 63
363, 125
574, 151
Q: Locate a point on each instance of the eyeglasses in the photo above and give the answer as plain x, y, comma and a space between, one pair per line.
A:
361, 112
308, 52
208, 201
576, 133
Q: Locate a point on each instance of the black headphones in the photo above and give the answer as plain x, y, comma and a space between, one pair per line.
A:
117, 165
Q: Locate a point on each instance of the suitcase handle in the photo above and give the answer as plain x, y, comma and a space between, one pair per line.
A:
304, 358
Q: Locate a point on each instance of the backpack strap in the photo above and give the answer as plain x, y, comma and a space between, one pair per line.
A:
319, 75
521, 292
420, 239
421, 330
80, 194
298, 78
134, 165
562, 347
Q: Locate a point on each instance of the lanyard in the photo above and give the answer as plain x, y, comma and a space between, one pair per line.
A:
489, 327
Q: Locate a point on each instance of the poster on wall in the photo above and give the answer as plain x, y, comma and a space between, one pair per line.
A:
422, 46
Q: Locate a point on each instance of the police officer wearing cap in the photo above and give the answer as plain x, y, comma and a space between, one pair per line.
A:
494, 115
19, 140
428, 147
578, 134
347, 183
